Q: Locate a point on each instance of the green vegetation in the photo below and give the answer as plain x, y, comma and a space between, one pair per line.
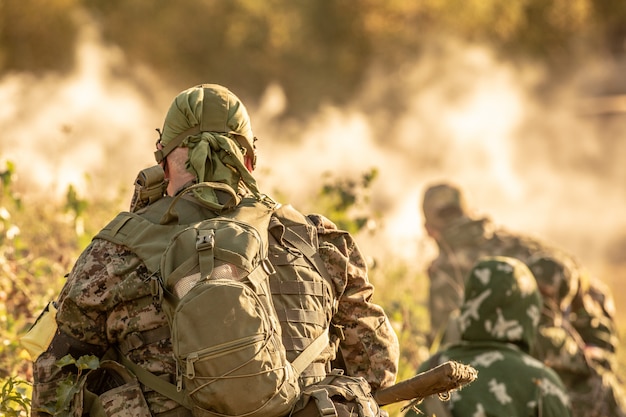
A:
14, 397
39, 243
72, 384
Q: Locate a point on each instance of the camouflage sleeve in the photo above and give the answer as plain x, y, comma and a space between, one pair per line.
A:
370, 348
84, 306
593, 317
73, 322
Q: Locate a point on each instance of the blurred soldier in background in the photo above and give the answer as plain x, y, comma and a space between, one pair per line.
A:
579, 346
498, 327
462, 238
578, 336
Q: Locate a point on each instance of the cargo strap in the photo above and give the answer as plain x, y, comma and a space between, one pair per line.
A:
138, 339
169, 390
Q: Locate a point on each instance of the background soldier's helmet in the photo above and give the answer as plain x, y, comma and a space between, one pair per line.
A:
442, 204
558, 279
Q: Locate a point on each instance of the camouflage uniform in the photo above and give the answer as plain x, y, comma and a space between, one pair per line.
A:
577, 330
462, 244
462, 240
498, 322
584, 361
108, 299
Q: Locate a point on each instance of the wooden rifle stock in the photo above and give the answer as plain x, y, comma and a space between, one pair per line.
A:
443, 378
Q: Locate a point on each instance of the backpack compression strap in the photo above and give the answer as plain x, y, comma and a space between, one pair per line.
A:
163, 387
152, 381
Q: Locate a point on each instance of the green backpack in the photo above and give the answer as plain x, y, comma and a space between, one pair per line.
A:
215, 291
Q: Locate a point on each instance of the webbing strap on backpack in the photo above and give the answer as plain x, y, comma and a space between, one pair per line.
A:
169, 390
308, 251
152, 381
311, 352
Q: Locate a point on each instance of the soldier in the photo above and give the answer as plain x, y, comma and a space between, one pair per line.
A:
108, 303
498, 324
578, 314
579, 346
462, 239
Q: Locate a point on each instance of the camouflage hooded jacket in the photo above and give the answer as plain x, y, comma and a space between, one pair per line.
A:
498, 321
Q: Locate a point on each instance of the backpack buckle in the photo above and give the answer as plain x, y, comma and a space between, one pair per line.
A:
268, 267
205, 240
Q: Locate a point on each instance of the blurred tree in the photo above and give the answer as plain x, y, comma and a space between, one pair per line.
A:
319, 51
37, 35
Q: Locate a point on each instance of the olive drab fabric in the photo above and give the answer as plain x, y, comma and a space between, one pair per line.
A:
337, 395
212, 123
302, 292
498, 320
215, 291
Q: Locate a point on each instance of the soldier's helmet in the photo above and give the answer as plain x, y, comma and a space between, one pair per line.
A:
557, 277
206, 108
443, 203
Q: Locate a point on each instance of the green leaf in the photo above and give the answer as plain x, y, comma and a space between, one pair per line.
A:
65, 361
65, 393
88, 362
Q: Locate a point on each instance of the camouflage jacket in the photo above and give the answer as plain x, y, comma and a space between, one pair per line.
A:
107, 300
590, 310
460, 247
498, 322
594, 389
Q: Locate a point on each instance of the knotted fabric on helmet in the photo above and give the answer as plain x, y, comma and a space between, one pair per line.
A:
214, 124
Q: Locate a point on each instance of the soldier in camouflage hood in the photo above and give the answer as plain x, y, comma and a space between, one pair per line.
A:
109, 305
463, 237
498, 324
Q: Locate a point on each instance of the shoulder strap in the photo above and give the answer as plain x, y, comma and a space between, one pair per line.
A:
147, 239
309, 251
311, 352
151, 380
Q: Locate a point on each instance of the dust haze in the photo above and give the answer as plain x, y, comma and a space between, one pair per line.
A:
454, 113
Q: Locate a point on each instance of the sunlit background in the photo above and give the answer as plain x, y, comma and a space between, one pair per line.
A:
523, 105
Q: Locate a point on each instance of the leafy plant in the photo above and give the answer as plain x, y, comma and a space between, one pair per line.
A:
15, 397
72, 384
345, 201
